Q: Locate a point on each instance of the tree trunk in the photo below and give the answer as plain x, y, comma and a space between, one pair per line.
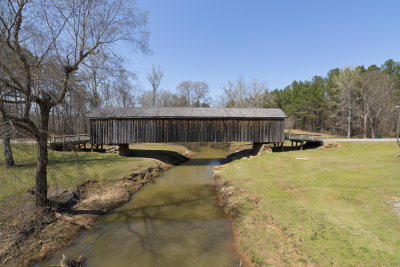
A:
365, 126
53, 120
373, 132
349, 124
153, 101
41, 171
8, 155
7, 152
372, 123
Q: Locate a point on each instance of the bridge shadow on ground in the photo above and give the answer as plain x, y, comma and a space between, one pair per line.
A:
166, 156
307, 145
172, 157
245, 153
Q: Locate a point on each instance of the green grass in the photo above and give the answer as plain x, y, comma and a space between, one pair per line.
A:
332, 207
69, 169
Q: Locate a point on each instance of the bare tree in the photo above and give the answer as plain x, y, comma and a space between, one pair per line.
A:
235, 94
169, 99
94, 76
242, 94
154, 77
346, 85
61, 35
256, 92
124, 90
146, 99
184, 89
165, 99
73, 108
107, 81
195, 93
258, 95
375, 94
200, 94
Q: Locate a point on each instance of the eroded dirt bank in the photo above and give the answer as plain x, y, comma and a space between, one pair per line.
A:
41, 232
231, 206
232, 198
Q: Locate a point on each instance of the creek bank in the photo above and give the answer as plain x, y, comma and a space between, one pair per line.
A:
231, 198
39, 233
228, 198
234, 201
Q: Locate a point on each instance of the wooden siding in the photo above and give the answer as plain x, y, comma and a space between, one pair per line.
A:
125, 131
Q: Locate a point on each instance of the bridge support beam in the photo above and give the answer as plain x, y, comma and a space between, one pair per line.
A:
123, 150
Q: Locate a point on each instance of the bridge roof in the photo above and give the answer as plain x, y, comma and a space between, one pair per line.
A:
184, 112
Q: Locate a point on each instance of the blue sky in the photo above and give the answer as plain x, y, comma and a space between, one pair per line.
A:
273, 41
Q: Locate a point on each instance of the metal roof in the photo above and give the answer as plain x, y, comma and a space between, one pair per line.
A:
184, 112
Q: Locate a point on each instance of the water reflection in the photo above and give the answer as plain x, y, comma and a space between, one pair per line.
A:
173, 222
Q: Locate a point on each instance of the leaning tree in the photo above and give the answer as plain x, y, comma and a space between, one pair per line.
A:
45, 43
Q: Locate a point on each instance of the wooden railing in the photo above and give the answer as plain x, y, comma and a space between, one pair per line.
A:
303, 137
78, 138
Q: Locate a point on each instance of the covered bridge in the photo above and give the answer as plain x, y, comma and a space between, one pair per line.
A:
162, 125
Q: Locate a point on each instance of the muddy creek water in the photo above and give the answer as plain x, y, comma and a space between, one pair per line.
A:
172, 222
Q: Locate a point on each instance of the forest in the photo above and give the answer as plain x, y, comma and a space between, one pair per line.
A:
358, 102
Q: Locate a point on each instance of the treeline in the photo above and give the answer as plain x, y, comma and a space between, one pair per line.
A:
353, 102
356, 102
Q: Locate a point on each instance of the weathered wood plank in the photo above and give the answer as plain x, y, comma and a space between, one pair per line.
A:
122, 131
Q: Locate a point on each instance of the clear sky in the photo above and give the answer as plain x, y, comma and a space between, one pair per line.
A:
275, 41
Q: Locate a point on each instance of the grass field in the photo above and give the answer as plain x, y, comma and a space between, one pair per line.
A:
321, 207
69, 169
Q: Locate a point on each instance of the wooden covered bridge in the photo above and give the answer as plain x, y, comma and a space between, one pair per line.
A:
122, 126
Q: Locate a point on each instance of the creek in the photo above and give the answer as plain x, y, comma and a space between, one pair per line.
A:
175, 221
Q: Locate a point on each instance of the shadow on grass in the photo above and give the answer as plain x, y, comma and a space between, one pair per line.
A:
307, 145
245, 153
166, 156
